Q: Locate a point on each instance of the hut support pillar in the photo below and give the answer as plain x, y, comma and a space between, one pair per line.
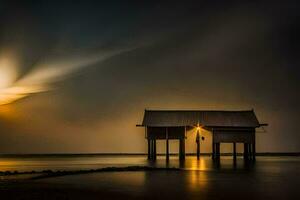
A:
181, 149
167, 149
154, 149
198, 144
234, 151
218, 150
246, 151
198, 151
250, 151
213, 154
254, 151
253, 146
149, 149
167, 145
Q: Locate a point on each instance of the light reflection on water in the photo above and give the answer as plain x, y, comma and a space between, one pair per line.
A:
197, 180
268, 178
67, 162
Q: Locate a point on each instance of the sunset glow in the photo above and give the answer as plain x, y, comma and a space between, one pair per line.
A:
8, 70
71, 71
149, 100
43, 76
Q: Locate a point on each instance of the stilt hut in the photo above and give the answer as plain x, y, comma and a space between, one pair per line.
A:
225, 126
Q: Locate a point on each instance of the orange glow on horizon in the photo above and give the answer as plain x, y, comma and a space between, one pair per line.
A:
8, 112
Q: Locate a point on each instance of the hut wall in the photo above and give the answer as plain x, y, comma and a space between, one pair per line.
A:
229, 136
160, 132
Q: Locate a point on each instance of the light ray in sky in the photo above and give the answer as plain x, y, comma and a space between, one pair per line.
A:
8, 70
42, 77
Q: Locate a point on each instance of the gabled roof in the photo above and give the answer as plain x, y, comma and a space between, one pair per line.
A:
206, 118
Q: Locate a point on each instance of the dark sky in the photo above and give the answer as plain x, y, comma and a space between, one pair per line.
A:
77, 75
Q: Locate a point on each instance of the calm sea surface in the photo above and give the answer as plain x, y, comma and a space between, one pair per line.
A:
78, 162
269, 178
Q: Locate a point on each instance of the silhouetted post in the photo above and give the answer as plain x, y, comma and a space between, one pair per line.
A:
234, 151
245, 151
250, 151
167, 144
149, 149
218, 150
253, 147
154, 149
182, 143
215, 144
181, 149
254, 151
213, 151
198, 144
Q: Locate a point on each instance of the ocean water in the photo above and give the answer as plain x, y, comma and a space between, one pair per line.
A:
27, 163
268, 178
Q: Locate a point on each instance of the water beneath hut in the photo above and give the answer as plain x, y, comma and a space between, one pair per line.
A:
268, 178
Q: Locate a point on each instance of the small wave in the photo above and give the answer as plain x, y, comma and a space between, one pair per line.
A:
52, 173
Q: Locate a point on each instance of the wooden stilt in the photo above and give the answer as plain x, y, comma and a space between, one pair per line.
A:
198, 144
215, 150
181, 149
167, 145
254, 151
213, 154
218, 150
167, 149
154, 149
149, 149
182, 143
250, 151
245, 151
234, 151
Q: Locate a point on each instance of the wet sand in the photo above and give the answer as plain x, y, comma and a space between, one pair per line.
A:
269, 178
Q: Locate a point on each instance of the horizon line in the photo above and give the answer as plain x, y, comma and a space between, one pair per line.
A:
142, 154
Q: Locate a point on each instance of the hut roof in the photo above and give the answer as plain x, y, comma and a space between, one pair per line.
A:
206, 118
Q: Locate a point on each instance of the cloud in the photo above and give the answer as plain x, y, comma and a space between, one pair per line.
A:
47, 72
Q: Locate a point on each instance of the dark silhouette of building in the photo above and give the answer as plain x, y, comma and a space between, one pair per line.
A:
225, 126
